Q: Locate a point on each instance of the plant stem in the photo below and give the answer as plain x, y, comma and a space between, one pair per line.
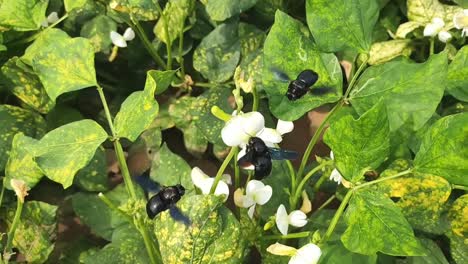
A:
319, 182
403, 173
327, 202
181, 57
2, 192
255, 99
14, 225
135, 25
454, 186
355, 78
106, 110
314, 140
236, 172
206, 85
299, 189
431, 46
288, 236
336, 217
220, 172
124, 169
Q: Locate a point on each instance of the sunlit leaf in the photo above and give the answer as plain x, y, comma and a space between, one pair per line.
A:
93, 177
141, 9
217, 55
359, 145
375, 224
194, 140
442, 153
65, 150
424, 11
401, 84
458, 216
341, 24
36, 232
46, 38
336, 253
220, 10
175, 13
169, 169
381, 52
299, 54
22, 15
98, 31
251, 38
25, 84
65, 66
457, 72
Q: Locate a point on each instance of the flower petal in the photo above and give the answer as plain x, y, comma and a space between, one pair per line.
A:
232, 133
253, 186
331, 155
247, 201
251, 211
297, 218
430, 30
270, 135
221, 189
281, 250
460, 19
129, 34
336, 176
281, 220
252, 123
118, 40
227, 179
308, 254
239, 197
439, 22
198, 177
52, 17
444, 36
284, 127
263, 195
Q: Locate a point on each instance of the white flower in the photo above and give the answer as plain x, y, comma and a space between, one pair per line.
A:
434, 27
51, 18
335, 174
444, 36
121, 41
204, 183
308, 254
241, 127
256, 193
296, 218
460, 21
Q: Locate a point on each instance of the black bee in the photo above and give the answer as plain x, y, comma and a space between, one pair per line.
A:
164, 199
260, 155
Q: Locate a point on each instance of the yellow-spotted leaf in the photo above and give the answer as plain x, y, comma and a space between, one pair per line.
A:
25, 84
405, 28
21, 165
46, 38
175, 13
376, 224
140, 109
381, 52
168, 169
424, 11
421, 197
97, 30
140, 9
458, 216
65, 150
214, 235
36, 232
65, 66
457, 72
220, 10
443, 151
359, 145
458, 248
93, 177
13, 120
22, 15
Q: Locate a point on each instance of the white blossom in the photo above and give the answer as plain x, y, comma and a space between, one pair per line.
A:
121, 41
296, 218
444, 36
204, 183
256, 193
434, 27
335, 174
460, 21
307, 254
50, 19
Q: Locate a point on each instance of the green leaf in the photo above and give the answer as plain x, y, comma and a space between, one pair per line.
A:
25, 84
93, 177
458, 248
457, 72
46, 38
62, 115
217, 55
458, 216
401, 84
127, 247
65, 66
21, 165
359, 145
407, 27
433, 254
213, 237
442, 152
424, 11
145, 10
195, 140
251, 38
36, 232
421, 197
462, 3
22, 15
97, 215
341, 24
175, 13
65, 150
70, 5
375, 224
299, 54
17, 120
336, 253
169, 169
220, 10
98, 31
140, 109
381, 52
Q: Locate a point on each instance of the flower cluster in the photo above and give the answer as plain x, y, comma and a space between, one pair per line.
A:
438, 27
307, 254
121, 41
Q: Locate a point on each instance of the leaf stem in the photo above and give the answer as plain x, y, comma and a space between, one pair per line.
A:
336, 217
206, 85
220, 172
288, 236
149, 47
106, 109
299, 189
181, 57
454, 186
327, 202
11, 232
403, 173
2, 192
236, 171
124, 169
355, 78
255, 99
431, 46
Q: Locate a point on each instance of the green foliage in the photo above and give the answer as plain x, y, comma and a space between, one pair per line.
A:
93, 177
98, 30
173, 20
22, 15
220, 10
457, 72
140, 9
169, 169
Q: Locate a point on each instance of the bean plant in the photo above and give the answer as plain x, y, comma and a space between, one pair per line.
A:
185, 88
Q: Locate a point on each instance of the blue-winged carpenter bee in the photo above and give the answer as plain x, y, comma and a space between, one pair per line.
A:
165, 198
260, 156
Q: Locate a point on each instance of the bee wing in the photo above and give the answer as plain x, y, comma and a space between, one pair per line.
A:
246, 160
177, 215
148, 185
282, 154
280, 75
320, 90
